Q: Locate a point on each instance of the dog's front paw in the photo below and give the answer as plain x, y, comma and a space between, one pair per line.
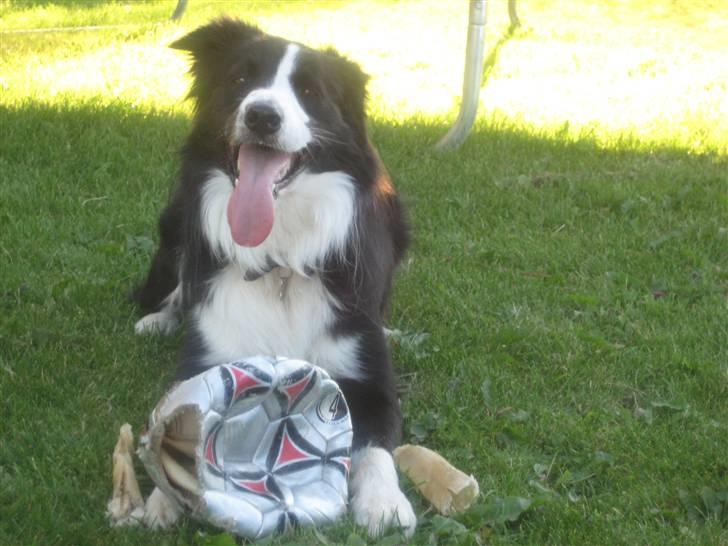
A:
376, 500
378, 510
160, 512
163, 322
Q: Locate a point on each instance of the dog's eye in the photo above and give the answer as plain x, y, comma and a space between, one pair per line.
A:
243, 73
235, 78
238, 83
308, 88
250, 69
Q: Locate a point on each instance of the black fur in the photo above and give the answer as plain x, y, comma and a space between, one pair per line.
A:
361, 280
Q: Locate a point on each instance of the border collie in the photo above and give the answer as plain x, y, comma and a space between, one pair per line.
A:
282, 236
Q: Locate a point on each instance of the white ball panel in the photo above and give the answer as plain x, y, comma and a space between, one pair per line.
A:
243, 434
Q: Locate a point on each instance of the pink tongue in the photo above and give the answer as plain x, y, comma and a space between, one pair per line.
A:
250, 209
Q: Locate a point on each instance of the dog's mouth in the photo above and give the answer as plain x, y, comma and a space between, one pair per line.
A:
261, 172
284, 176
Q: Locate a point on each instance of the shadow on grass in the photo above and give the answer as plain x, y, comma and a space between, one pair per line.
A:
93, 176
512, 216
93, 150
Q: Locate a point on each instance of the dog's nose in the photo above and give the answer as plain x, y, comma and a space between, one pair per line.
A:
262, 119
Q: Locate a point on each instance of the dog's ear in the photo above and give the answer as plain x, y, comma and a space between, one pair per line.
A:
350, 90
215, 38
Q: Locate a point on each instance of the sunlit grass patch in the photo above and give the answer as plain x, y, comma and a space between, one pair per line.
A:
603, 69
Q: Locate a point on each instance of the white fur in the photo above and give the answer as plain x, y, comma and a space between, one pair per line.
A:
166, 320
242, 318
160, 512
294, 134
376, 500
313, 217
338, 356
120, 517
164, 323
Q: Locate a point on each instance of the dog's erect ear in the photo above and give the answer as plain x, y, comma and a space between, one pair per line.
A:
216, 37
350, 90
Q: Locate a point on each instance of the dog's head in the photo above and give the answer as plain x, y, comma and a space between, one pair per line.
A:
276, 107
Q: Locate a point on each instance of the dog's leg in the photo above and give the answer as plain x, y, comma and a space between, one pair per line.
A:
161, 281
161, 295
163, 274
166, 320
160, 512
376, 499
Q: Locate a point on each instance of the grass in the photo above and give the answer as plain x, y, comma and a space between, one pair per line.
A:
570, 266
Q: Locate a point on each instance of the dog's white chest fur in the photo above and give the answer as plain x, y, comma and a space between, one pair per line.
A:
313, 217
240, 318
243, 318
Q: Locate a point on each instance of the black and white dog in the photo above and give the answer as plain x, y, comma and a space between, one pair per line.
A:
282, 237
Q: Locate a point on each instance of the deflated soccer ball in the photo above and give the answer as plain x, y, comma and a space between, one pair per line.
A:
254, 446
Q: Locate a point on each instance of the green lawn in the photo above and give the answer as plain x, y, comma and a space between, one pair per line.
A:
564, 307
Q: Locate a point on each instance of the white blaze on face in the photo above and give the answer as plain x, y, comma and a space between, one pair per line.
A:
294, 133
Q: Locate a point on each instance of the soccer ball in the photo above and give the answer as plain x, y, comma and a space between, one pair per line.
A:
255, 446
